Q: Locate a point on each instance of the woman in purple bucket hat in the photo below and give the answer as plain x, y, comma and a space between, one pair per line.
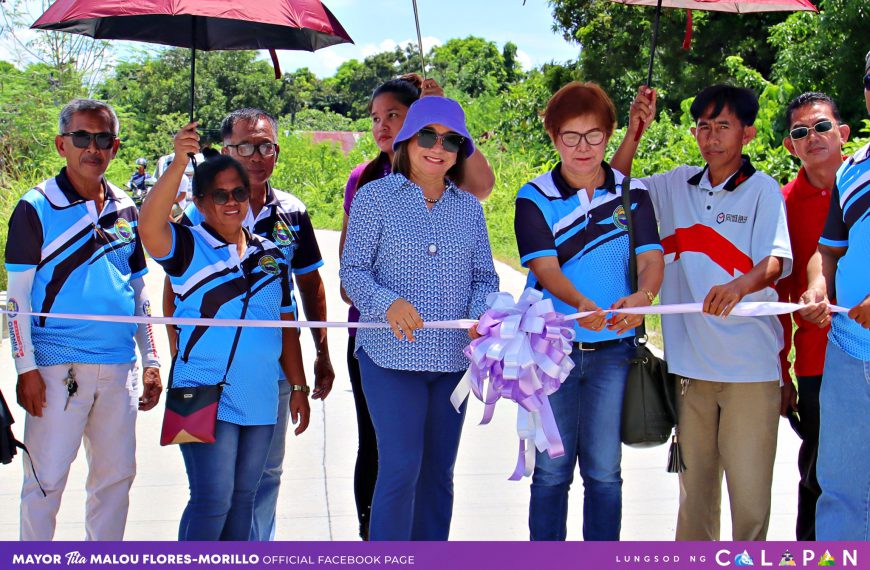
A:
417, 250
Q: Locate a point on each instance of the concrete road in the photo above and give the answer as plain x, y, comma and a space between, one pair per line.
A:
316, 501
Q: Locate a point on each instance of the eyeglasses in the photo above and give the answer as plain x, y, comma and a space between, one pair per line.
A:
798, 133
221, 197
572, 138
82, 139
867, 82
248, 149
451, 142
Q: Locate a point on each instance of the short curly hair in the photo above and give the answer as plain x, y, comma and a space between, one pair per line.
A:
577, 99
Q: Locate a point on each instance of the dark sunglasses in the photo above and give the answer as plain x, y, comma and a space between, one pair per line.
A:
798, 133
248, 149
451, 142
221, 197
867, 82
82, 139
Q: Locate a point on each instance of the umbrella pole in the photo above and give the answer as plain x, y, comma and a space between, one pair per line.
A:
655, 38
419, 40
192, 65
652, 57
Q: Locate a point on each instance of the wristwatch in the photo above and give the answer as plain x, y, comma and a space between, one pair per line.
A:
304, 388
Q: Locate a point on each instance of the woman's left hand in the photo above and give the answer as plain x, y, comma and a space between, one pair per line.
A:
473, 334
300, 411
620, 322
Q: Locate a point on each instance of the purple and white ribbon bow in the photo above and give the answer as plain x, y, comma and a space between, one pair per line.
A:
524, 356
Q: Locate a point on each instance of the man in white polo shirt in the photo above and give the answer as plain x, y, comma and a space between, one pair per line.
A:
724, 231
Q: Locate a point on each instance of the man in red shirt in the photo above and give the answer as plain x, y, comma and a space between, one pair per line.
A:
816, 137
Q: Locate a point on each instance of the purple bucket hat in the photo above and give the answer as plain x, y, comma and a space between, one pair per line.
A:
435, 111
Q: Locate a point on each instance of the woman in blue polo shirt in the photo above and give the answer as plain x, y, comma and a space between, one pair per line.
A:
219, 270
417, 249
571, 233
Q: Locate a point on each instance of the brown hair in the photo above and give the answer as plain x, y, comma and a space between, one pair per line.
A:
402, 163
577, 99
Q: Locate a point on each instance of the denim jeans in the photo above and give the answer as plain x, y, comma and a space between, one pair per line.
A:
223, 478
266, 500
843, 510
588, 411
418, 434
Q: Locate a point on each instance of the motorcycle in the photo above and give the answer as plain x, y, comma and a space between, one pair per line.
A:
139, 191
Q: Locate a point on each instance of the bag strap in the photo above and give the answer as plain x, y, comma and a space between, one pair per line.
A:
640, 335
235, 342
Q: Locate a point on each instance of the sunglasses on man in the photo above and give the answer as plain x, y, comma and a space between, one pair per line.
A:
867, 82
798, 133
82, 139
221, 197
451, 142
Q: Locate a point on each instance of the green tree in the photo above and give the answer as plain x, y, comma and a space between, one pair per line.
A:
472, 65
825, 52
615, 41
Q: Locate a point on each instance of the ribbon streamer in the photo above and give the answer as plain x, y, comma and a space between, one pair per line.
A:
524, 356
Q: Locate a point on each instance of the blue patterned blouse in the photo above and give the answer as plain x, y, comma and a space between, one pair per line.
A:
439, 260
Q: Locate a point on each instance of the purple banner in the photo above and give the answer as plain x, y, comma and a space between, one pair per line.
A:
450, 555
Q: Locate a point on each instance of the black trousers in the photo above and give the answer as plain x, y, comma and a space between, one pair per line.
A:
366, 470
808, 430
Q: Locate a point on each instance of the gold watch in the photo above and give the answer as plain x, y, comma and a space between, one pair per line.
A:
304, 388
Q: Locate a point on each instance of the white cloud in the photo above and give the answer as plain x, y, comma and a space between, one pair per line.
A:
525, 60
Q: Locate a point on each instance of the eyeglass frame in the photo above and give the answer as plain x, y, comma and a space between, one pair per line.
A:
255, 148
812, 128
92, 138
426, 131
582, 137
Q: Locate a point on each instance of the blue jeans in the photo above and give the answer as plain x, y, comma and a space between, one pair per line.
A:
223, 478
843, 468
266, 500
418, 434
588, 410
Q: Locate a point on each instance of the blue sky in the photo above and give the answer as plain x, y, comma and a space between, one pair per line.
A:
380, 25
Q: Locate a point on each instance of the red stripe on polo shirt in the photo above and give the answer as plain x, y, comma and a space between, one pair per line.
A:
704, 239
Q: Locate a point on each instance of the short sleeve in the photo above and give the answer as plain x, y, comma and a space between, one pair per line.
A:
836, 233
351, 186
307, 257
643, 218
180, 255
770, 231
534, 235
24, 239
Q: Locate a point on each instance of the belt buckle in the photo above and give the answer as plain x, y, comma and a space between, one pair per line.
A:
580, 346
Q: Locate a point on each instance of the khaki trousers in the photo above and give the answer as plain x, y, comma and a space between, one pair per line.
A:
103, 413
727, 427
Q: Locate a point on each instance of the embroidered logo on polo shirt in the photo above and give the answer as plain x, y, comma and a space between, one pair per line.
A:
619, 218
123, 230
281, 233
735, 218
269, 265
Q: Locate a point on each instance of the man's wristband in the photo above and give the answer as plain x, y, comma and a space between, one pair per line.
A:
304, 388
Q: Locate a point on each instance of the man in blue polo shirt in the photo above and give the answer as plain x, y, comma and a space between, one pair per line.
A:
840, 266
73, 247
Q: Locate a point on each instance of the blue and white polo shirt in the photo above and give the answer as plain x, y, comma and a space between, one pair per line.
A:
848, 225
589, 237
210, 280
84, 261
283, 220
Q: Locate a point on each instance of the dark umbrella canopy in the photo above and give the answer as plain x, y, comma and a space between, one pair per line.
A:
201, 24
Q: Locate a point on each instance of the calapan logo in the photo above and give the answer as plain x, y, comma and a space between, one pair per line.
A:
269, 265
123, 230
619, 219
12, 307
281, 234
